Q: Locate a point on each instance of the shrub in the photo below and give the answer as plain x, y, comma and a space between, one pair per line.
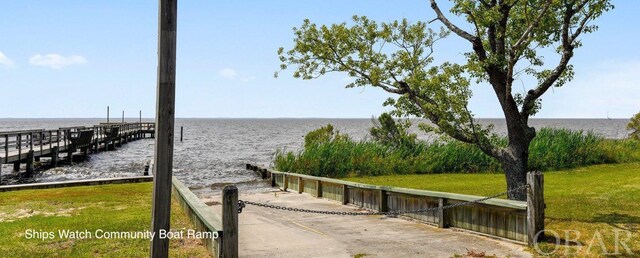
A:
329, 153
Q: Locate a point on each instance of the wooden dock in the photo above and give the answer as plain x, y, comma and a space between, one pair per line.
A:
29, 146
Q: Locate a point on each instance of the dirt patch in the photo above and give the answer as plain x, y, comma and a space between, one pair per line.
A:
26, 213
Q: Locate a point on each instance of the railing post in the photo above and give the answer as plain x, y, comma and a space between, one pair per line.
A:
273, 180
443, 214
300, 185
285, 182
382, 205
318, 188
535, 206
230, 221
345, 194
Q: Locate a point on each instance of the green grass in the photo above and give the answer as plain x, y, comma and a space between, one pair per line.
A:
120, 207
601, 198
552, 149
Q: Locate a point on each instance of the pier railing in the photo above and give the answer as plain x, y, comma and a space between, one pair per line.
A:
24, 146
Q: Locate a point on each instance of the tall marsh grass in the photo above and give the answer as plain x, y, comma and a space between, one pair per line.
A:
336, 155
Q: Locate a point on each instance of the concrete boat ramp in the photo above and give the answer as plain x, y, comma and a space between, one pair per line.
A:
266, 232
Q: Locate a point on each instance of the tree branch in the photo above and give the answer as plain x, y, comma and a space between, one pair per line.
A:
525, 36
460, 32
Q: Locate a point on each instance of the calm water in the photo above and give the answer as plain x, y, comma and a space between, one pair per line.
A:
214, 151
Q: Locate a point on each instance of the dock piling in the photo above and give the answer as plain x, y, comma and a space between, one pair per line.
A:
54, 156
30, 159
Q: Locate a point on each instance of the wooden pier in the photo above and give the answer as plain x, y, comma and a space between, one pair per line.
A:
28, 146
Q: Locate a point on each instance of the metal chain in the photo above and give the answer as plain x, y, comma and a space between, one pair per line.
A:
242, 204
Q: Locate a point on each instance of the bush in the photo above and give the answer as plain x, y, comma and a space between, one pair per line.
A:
331, 154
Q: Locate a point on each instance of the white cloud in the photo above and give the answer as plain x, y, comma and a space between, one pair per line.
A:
55, 61
234, 75
228, 73
5, 61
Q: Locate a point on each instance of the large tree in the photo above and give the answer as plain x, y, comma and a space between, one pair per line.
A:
507, 39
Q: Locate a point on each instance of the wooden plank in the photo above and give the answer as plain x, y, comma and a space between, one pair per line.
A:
74, 183
165, 119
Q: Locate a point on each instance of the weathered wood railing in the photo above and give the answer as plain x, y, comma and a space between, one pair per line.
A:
206, 220
494, 217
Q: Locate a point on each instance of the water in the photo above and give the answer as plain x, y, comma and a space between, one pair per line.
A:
214, 151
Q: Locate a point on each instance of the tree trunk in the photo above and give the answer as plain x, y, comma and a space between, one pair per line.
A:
514, 164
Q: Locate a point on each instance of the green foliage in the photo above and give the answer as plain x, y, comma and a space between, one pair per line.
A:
391, 133
322, 135
551, 149
634, 126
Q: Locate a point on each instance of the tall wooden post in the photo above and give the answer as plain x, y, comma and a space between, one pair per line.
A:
107, 114
535, 206
230, 222
165, 115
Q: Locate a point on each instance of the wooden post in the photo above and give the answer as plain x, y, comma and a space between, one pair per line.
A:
230, 222
273, 180
285, 182
181, 132
16, 166
123, 116
345, 194
300, 185
70, 156
443, 214
107, 114
165, 118
318, 188
54, 156
382, 206
535, 206
30, 160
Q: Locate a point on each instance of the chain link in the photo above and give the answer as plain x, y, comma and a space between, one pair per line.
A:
242, 204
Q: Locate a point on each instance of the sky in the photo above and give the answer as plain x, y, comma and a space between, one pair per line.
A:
73, 58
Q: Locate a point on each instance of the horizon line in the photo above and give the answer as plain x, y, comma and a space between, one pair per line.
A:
152, 118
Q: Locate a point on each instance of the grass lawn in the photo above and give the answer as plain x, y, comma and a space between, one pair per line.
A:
595, 201
119, 207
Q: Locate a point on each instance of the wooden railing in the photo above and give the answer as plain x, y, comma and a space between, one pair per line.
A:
206, 220
494, 217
